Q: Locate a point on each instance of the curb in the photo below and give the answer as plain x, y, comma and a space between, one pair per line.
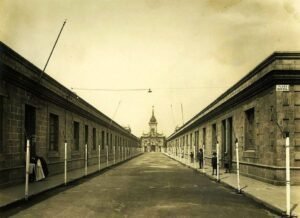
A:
70, 184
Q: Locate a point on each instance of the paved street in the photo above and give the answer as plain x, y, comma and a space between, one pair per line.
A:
151, 185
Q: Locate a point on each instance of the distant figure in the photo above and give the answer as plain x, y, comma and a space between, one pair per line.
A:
200, 158
226, 163
214, 163
192, 157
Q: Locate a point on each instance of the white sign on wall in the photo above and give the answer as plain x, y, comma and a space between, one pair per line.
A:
282, 88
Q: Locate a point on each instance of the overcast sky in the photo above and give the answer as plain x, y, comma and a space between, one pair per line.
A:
188, 52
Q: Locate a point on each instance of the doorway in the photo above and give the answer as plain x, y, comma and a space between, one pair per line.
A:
152, 148
30, 128
227, 140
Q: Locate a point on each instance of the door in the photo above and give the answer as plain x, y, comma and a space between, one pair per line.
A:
153, 148
227, 139
30, 126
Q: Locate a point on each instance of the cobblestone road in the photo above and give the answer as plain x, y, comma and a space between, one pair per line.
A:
151, 185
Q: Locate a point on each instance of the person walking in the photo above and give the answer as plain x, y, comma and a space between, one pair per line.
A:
200, 158
214, 163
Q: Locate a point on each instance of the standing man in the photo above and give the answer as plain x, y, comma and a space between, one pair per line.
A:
200, 158
214, 163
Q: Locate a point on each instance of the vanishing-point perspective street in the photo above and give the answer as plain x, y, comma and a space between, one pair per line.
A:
151, 185
150, 108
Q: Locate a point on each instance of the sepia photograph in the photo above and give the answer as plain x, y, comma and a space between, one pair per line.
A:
150, 108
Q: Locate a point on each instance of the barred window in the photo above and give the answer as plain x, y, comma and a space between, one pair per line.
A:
249, 129
53, 132
94, 138
204, 136
102, 139
214, 136
76, 135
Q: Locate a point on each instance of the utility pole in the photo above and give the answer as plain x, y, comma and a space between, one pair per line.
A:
42, 73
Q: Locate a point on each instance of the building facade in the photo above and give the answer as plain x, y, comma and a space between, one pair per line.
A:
153, 141
36, 107
256, 112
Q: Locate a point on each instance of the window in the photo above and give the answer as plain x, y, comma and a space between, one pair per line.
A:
76, 135
197, 139
107, 138
94, 138
187, 139
86, 134
53, 132
191, 139
102, 139
224, 136
110, 143
249, 129
1, 124
214, 136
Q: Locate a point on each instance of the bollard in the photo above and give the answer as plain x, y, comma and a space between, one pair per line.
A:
195, 156
288, 182
27, 169
99, 157
114, 154
203, 162
218, 162
188, 157
107, 156
119, 153
85, 168
237, 166
66, 156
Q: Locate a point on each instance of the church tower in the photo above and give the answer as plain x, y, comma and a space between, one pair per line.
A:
153, 124
153, 141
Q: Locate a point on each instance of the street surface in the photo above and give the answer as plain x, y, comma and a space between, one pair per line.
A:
151, 185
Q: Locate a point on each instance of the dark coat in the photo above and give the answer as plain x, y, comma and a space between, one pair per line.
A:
200, 155
214, 162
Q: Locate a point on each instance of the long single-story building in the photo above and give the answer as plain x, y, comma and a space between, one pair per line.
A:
257, 111
35, 106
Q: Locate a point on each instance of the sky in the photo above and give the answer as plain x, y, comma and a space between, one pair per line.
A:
187, 51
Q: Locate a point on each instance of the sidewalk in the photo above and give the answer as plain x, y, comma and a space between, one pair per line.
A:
15, 193
272, 196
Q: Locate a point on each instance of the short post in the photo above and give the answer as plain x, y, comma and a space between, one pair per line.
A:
287, 168
182, 154
99, 157
195, 156
218, 162
189, 157
203, 163
27, 168
66, 158
119, 159
85, 169
237, 166
114, 154
107, 156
